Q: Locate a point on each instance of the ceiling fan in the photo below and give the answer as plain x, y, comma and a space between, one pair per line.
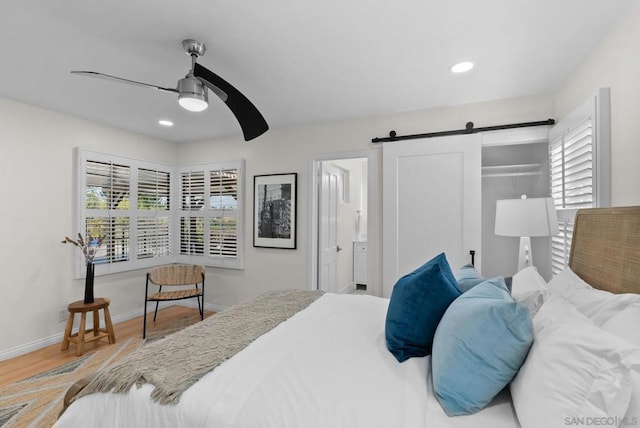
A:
193, 96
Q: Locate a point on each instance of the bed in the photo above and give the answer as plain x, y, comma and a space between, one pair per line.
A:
325, 362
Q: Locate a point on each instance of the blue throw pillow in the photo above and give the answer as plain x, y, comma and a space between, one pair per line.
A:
468, 277
418, 301
479, 346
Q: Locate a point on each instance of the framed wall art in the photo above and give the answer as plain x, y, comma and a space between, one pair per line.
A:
274, 210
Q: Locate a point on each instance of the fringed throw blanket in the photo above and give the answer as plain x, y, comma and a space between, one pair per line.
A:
176, 362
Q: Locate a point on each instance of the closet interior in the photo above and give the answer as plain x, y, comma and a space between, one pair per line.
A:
510, 170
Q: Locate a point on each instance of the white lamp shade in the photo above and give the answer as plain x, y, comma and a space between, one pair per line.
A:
526, 217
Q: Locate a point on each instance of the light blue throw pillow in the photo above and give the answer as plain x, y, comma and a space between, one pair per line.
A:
418, 301
479, 346
468, 277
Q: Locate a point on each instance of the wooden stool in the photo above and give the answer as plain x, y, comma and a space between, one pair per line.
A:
83, 336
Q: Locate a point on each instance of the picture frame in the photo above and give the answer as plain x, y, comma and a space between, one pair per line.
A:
275, 210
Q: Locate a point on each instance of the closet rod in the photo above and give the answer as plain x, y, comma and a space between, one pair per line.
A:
469, 129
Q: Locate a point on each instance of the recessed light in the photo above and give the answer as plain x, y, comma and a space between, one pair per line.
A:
165, 122
461, 67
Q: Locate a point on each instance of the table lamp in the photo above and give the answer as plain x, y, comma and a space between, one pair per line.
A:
526, 217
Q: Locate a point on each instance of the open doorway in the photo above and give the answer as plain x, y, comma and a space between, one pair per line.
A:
339, 226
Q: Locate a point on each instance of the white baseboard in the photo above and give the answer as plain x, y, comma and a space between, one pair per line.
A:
16, 351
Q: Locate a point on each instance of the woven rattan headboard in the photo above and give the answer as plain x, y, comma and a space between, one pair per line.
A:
605, 250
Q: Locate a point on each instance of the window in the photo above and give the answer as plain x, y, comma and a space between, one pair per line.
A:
579, 166
211, 214
192, 213
223, 235
132, 204
153, 220
107, 203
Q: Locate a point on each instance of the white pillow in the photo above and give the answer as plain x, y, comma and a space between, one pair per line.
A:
597, 305
566, 282
529, 288
632, 417
574, 370
624, 324
526, 281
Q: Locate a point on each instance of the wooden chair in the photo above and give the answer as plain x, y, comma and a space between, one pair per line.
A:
174, 276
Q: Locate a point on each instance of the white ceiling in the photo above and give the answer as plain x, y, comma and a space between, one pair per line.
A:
298, 61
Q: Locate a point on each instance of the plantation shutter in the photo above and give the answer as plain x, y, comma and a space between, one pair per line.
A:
153, 228
128, 202
192, 210
107, 205
579, 169
572, 167
560, 246
153, 214
223, 230
210, 214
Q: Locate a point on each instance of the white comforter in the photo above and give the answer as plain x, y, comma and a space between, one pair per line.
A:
327, 367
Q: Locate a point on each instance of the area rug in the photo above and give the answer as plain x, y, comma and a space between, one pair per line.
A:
37, 401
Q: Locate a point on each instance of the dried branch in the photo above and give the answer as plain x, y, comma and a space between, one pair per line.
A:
86, 246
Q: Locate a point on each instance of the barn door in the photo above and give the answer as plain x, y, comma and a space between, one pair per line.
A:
431, 203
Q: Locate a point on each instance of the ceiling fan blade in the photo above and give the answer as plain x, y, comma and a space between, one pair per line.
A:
250, 119
121, 80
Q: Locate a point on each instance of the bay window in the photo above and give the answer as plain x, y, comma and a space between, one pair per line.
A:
153, 214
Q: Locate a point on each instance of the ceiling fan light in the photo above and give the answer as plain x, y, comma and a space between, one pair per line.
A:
192, 102
193, 94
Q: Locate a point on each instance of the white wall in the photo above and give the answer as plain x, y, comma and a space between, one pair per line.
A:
36, 188
614, 64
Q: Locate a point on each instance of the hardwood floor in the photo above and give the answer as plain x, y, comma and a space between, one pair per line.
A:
47, 358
